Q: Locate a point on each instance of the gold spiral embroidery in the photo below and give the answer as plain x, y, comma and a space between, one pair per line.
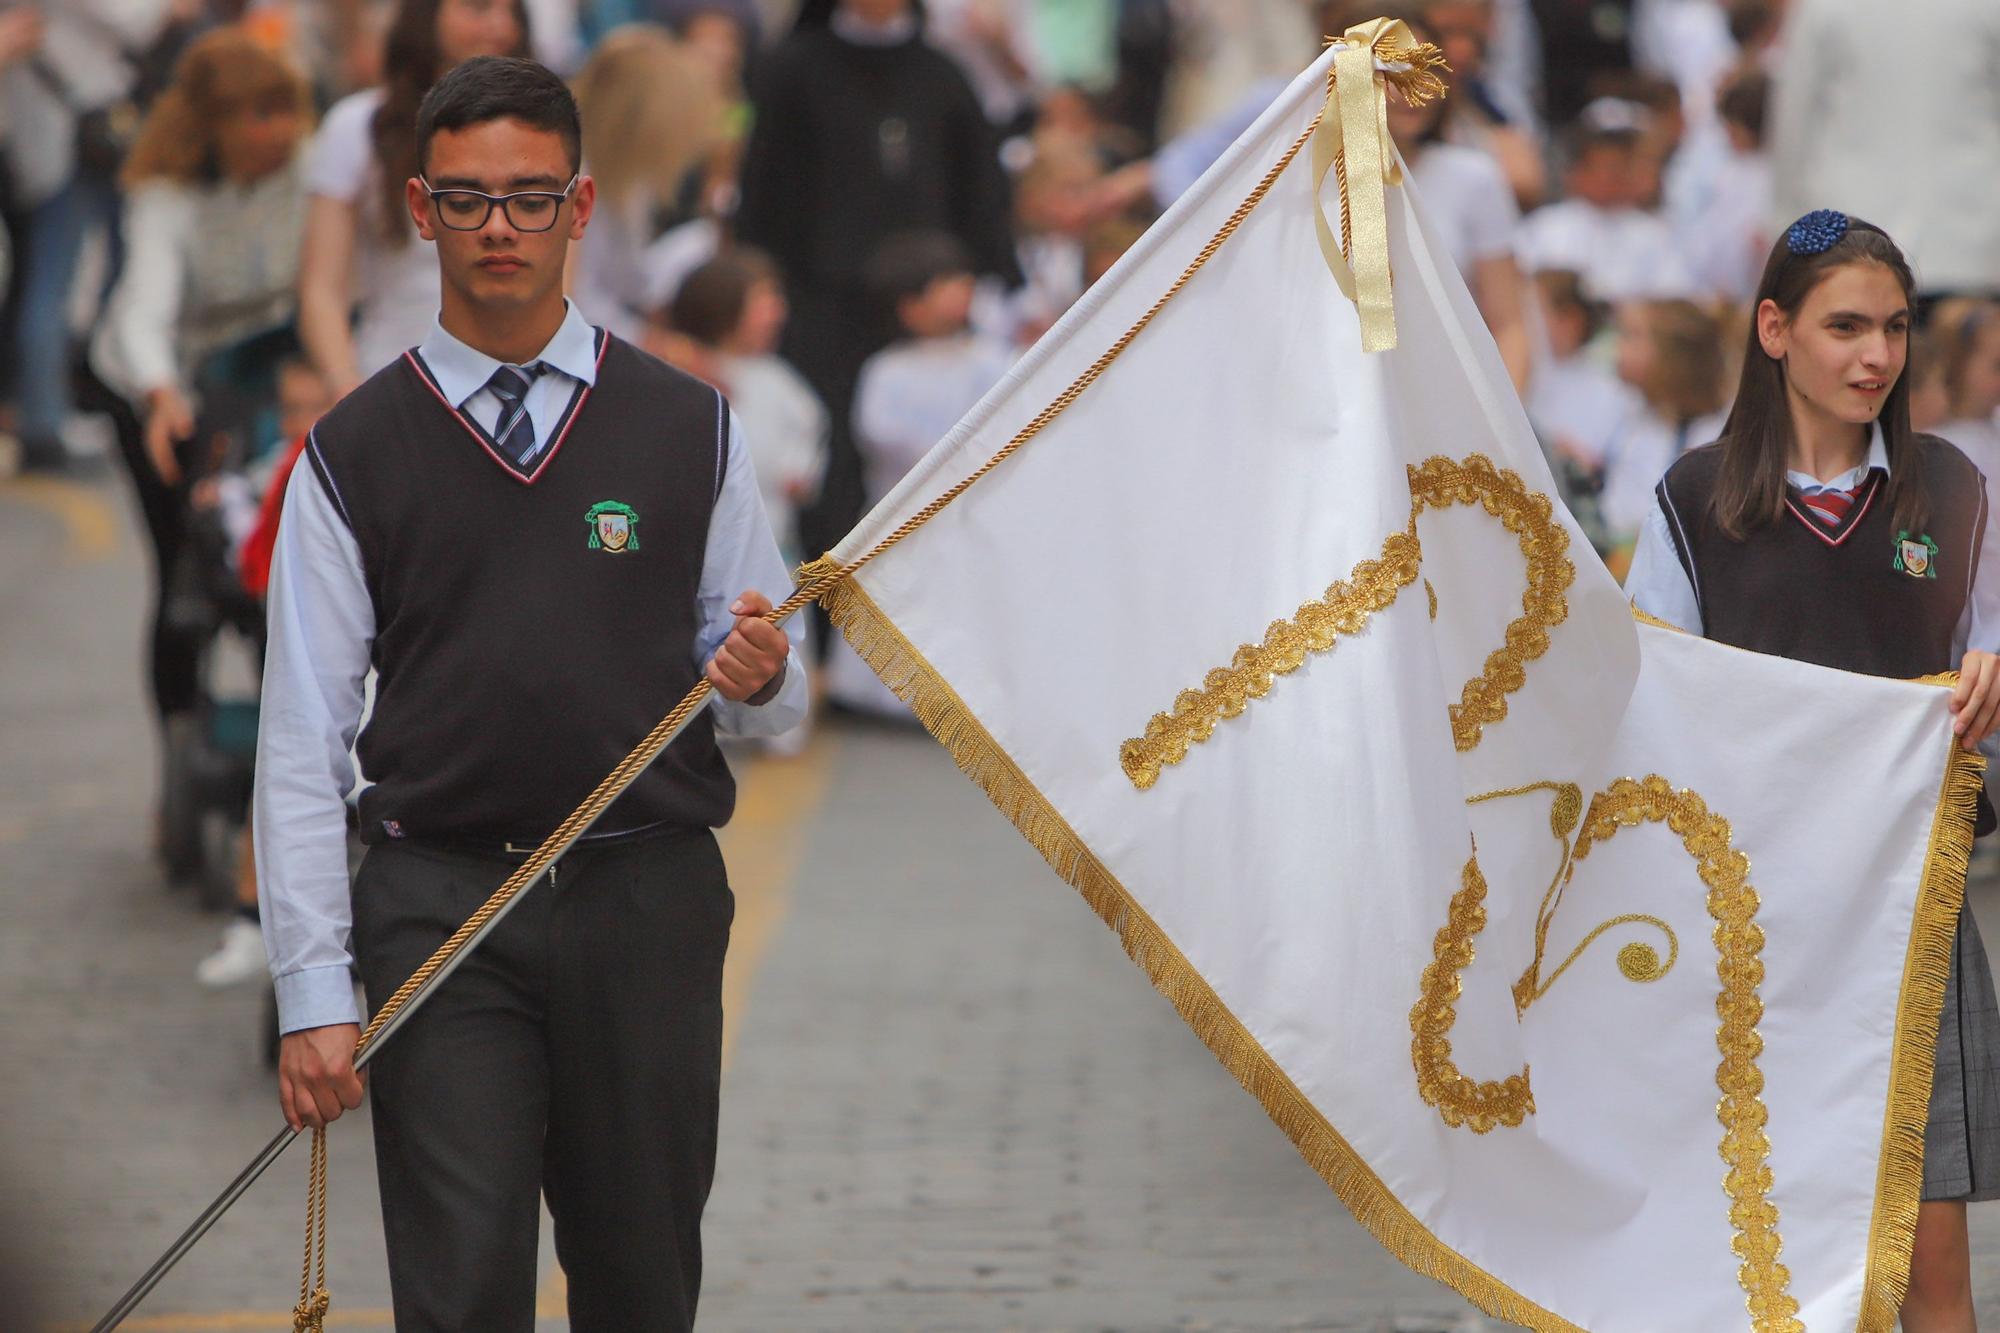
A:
1739, 944
1440, 482
1374, 585
1484, 1105
1478, 1105
1638, 961
1462, 1102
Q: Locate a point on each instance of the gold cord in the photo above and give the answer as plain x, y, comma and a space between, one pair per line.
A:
816, 579
309, 1316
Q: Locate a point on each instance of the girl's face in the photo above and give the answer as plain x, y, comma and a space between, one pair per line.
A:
1979, 395
468, 28
1847, 346
258, 140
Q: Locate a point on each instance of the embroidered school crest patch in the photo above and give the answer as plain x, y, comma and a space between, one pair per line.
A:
1916, 556
614, 527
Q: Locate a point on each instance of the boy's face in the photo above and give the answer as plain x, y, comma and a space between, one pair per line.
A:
941, 309
1603, 174
503, 263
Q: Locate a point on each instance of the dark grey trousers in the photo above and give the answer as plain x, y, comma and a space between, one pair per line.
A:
577, 1053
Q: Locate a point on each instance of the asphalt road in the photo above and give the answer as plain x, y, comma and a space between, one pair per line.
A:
951, 1104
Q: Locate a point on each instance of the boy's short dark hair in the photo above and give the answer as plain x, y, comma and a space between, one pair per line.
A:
711, 300
908, 262
488, 88
1744, 100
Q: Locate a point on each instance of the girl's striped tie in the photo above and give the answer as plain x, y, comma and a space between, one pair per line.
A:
1830, 507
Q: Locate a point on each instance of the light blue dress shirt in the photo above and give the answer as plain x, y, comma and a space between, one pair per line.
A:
321, 624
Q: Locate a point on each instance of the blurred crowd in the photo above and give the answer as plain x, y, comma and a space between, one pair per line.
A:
852, 215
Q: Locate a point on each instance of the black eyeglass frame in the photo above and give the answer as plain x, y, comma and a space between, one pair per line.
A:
503, 201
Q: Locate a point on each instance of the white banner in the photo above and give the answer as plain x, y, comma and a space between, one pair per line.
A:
1257, 637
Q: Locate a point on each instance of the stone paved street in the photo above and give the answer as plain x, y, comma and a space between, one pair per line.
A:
952, 1103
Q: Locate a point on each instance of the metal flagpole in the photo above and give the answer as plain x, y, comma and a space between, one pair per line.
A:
276, 1147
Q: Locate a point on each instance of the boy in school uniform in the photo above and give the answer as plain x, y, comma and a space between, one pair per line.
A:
539, 538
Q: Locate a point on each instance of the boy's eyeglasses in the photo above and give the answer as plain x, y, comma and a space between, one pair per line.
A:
525, 210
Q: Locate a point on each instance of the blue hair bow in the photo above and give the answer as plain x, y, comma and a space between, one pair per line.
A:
1816, 232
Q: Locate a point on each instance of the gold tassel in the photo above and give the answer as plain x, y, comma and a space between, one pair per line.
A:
1351, 140
1420, 84
1899, 1182
937, 706
309, 1315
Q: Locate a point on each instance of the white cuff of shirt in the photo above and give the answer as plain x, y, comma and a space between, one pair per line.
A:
316, 997
779, 714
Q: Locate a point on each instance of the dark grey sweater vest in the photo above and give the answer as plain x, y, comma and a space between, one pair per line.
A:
530, 630
1850, 596
1865, 596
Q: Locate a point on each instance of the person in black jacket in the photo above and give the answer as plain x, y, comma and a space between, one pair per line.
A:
862, 131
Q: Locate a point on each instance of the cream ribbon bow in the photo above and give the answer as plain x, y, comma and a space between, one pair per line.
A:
1352, 139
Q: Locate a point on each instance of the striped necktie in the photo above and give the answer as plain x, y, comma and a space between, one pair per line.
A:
515, 432
1830, 507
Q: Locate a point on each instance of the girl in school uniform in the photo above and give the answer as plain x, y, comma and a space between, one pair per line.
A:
1821, 527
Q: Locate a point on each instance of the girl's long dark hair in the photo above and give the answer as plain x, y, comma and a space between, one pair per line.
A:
411, 63
1757, 439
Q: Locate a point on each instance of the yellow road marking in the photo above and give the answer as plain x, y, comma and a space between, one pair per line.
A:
86, 514
235, 1319
776, 799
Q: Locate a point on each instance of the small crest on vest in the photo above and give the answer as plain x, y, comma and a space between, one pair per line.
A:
1916, 556
614, 527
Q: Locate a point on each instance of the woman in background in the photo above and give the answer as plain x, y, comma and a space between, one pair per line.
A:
368, 288
652, 115
216, 203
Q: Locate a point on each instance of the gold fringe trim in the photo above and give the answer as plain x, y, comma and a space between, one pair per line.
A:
1646, 618
1899, 1181
937, 706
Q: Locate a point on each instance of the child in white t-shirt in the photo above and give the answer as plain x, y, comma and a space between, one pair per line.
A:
1671, 352
1623, 250
910, 395
723, 325
1051, 214
1724, 216
1575, 400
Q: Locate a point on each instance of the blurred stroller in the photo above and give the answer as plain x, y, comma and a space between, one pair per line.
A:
247, 393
